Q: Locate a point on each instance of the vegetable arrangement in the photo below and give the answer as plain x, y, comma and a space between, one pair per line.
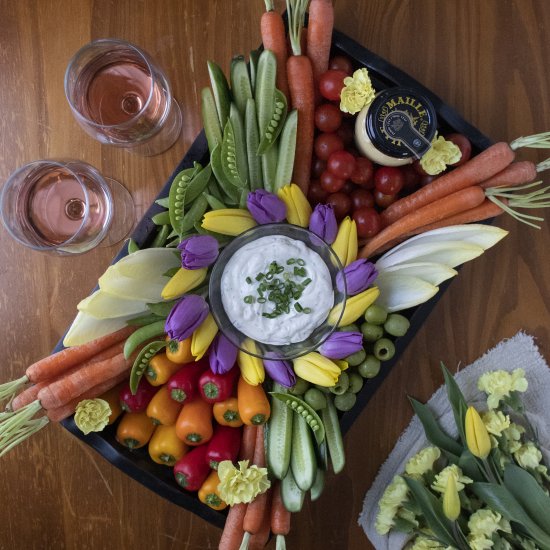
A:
145, 351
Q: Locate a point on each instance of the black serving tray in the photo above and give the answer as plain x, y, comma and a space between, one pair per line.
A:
137, 464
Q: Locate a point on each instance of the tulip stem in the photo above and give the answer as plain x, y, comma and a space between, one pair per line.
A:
488, 472
460, 539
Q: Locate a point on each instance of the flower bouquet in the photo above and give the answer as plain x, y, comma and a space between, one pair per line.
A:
486, 489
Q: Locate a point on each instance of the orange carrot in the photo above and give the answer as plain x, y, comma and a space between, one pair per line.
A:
302, 96
31, 393
478, 169
60, 413
280, 516
462, 200
233, 529
274, 39
63, 360
514, 174
248, 443
319, 35
259, 539
69, 387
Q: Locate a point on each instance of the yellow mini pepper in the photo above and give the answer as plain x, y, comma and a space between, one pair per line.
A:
298, 209
134, 430
209, 493
183, 281
160, 369
179, 351
165, 447
162, 409
477, 436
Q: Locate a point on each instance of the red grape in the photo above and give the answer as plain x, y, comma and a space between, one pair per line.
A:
341, 164
341, 63
347, 133
318, 167
382, 200
368, 222
341, 204
326, 144
362, 198
412, 178
331, 183
316, 193
389, 180
328, 117
362, 175
331, 84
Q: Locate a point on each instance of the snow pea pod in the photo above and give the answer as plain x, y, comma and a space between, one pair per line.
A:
141, 335
195, 213
161, 237
142, 362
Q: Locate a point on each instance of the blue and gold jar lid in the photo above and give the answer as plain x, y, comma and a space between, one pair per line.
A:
401, 123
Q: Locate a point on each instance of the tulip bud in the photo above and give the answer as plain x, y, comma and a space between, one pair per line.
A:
345, 246
323, 223
477, 436
359, 275
341, 344
252, 368
266, 207
354, 307
203, 336
186, 316
451, 500
198, 251
223, 355
298, 209
281, 372
183, 281
317, 369
228, 221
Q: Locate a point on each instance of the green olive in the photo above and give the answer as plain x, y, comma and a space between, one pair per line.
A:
355, 382
372, 333
396, 325
315, 398
370, 367
349, 328
384, 349
376, 315
300, 387
356, 358
342, 385
345, 401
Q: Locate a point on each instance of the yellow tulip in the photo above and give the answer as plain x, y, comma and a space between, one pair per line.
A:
203, 336
252, 367
354, 307
344, 365
451, 500
228, 221
345, 246
317, 369
298, 209
183, 281
477, 436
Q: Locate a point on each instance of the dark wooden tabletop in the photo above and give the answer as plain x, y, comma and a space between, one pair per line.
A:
488, 59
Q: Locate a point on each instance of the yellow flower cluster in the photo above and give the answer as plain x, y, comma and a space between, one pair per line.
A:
440, 482
440, 155
482, 525
528, 456
394, 496
242, 484
422, 462
500, 383
513, 436
92, 415
495, 422
424, 543
357, 92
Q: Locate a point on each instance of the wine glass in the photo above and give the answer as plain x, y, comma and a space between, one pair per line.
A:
65, 207
121, 97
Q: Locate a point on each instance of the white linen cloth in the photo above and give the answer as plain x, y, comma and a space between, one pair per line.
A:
519, 351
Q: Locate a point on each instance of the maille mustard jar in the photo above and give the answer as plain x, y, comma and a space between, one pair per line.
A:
396, 128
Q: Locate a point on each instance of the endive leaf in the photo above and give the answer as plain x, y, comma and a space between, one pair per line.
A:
449, 253
430, 272
398, 292
86, 328
105, 306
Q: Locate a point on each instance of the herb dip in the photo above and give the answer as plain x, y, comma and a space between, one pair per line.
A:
297, 270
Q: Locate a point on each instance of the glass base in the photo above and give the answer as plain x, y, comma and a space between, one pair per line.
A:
124, 217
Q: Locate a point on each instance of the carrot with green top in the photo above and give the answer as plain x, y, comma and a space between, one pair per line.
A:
319, 35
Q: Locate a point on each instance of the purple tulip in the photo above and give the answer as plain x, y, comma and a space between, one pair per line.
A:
266, 207
323, 223
281, 372
359, 275
198, 251
223, 355
341, 344
185, 317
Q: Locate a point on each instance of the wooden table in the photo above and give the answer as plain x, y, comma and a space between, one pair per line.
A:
488, 59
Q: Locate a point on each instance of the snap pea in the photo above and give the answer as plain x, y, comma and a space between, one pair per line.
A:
214, 202
230, 191
195, 213
252, 143
287, 150
143, 320
269, 167
244, 196
213, 188
163, 202
318, 485
240, 83
162, 309
307, 412
270, 133
161, 237
177, 199
253, 66
132, 246
334, 437
210, 121
141, 335
162, 218
198, 184
229, 157
220, 89
240, 141
264, 92
142, 362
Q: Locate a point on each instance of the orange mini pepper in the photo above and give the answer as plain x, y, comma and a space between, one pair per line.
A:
134, 430
254, 408
112, 398
194, 423
179, 352
165, 447
160, 369
226, 413
162, 409
209, 494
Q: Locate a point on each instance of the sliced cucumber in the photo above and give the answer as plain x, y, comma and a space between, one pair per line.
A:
220, 89
291, 494
210, 120
333, 436
279, 436
240, 83
302, 458
287, 150
269, 167
319, 485
252, 141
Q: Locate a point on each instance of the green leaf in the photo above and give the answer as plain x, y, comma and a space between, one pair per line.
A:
403, 525
457, 401
434, 433
162, 309
171, 272
501, 500
470, 466
432, 511
163, 202
529, 494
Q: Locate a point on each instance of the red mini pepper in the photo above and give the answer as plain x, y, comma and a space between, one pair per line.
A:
192, 470
217, 387
224, 445
139, 401
184, 383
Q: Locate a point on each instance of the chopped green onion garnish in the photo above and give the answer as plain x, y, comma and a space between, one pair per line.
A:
301, 262
249, 280
249, 299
